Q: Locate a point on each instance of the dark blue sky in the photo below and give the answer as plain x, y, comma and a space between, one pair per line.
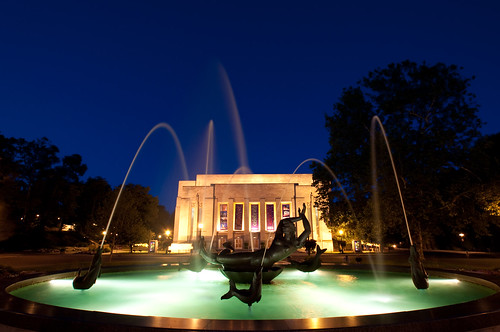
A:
95, 76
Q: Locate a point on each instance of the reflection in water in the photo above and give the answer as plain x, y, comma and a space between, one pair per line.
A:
186, 294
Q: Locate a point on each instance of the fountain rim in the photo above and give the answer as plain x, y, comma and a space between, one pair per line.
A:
484, 312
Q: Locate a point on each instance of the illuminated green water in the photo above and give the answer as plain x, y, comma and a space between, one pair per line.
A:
292, 295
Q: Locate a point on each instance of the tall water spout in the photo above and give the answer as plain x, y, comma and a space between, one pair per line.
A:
208, 168
237, 127
86, 281
181, 156
334, 177
419, 276
348, 201
210, 148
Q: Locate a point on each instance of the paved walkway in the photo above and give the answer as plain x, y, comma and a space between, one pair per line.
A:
38, 262
51, 262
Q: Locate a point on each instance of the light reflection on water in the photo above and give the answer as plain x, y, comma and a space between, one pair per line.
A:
292, 295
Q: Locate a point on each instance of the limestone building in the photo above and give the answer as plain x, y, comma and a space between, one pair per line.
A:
244, 209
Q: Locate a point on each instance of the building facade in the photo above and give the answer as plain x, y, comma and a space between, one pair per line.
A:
244, 209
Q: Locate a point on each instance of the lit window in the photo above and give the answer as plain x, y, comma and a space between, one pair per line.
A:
285, 210
223, 217
238, 216
254, 217
270, 217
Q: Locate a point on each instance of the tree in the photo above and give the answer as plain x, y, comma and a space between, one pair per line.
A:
35, 160
36, 190
8, 166
94, 208
39, 192
61, 188
164, 221
9, 188
477, 205
431, 122
135, 214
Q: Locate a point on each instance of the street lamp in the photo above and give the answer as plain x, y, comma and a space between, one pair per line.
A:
462, 236
168, 240
200, 227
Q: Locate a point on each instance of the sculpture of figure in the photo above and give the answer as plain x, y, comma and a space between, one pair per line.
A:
284, 244
418, 273
311, 264
248, 296
86, 281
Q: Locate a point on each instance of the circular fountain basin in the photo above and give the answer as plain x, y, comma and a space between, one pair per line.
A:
327, 298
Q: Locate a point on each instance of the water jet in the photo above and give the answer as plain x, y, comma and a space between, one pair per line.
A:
418, 273
88, 280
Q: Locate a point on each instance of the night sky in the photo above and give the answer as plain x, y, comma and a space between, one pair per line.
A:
95, 76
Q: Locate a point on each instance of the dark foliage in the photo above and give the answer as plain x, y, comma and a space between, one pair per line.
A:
40, 193
447, 172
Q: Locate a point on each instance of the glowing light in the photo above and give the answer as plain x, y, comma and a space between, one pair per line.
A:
384, 299
60, 282
167, 232
346, 278
181, 247
164, 277
315, 323
67, 228
187, 294
207, 275
445, 281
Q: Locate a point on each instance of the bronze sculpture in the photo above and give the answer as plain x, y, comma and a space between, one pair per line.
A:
238, 267
86, 281
284, 244
310, 264
418, 273
248, 296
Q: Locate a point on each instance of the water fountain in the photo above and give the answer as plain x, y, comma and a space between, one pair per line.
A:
160, 297
418, 273
334, 297
163, 297
243, 267
88, 280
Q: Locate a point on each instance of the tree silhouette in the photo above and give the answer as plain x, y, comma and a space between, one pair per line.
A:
430, 118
